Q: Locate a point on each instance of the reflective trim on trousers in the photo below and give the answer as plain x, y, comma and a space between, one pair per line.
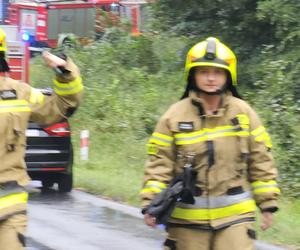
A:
217, 201
214, 213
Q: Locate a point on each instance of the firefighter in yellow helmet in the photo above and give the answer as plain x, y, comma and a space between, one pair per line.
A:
2, 40
3, 64
217, 134
20, 103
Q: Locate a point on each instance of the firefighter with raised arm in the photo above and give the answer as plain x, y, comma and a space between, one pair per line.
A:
229, 149
20, 103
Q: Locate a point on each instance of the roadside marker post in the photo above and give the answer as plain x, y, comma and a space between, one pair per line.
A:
84, 145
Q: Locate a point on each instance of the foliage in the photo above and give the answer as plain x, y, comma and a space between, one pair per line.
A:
233, 21
278, 87
245, 25
124, 84
284, 16
278, 103
129, 81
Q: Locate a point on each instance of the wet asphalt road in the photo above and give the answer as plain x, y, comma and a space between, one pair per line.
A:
84, 222
80, 221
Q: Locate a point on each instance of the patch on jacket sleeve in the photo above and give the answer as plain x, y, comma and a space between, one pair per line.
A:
186, 126
152, 149
243, 119
8, 94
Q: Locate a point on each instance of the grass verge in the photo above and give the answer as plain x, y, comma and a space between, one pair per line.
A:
114, 169
286, 228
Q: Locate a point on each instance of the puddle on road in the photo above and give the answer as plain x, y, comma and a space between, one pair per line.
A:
103, 217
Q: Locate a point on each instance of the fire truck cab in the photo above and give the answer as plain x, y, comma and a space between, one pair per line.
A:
44, 20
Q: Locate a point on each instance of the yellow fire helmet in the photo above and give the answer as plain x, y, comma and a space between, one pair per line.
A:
2, 40
212, 52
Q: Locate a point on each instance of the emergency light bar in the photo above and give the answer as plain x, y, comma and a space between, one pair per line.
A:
25, 36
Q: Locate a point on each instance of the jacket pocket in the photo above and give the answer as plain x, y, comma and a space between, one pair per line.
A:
242, 163
15, 135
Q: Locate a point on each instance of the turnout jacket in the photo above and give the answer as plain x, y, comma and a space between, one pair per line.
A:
20, 103
230, 151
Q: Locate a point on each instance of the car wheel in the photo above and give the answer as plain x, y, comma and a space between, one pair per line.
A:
47, 183
65, 183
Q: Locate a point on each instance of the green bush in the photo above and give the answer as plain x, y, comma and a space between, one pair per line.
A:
128, 81
275, 96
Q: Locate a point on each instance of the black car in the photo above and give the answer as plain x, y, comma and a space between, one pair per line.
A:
49, 154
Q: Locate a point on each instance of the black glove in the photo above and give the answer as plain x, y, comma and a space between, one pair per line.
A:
164, 203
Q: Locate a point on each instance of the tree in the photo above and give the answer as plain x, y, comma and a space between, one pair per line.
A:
233, 21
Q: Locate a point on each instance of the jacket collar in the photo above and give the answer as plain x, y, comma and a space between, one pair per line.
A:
199, 103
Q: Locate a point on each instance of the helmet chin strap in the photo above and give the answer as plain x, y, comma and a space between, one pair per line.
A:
217, 92
3, 63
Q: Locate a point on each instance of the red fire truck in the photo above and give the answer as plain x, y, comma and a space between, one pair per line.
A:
43, 21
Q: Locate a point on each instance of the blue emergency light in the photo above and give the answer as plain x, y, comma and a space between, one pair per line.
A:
25, 36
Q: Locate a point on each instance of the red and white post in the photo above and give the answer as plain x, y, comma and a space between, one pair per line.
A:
84, 145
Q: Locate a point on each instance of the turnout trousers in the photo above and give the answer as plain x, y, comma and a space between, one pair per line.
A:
236, 237
12, 232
